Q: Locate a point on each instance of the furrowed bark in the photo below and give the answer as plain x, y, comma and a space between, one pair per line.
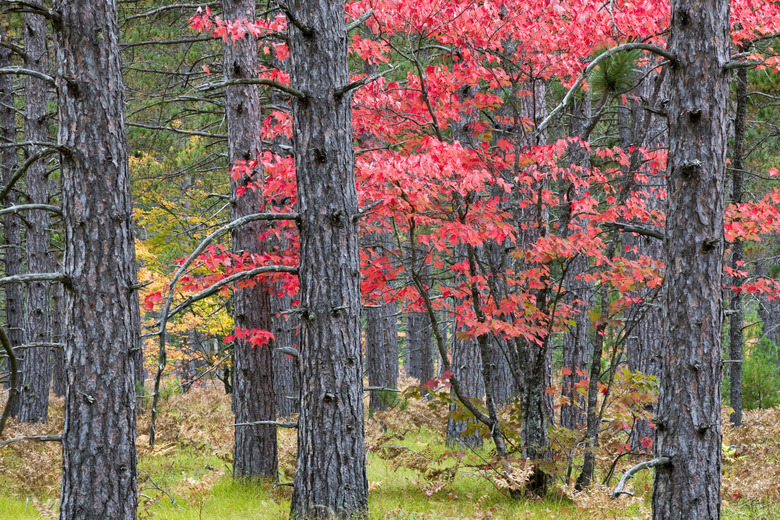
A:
330, 480
37, 368
99, 478
254, 454
12, 252
689, 427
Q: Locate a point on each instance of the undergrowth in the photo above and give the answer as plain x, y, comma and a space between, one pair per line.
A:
412, 474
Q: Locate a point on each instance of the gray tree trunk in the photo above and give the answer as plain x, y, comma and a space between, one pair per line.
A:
330, 479
99, 479
467, 367
12, 250
254, 455
736, 319
689, 427
381, 353
37, 370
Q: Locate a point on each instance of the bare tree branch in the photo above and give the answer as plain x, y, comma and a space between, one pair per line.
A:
620, 489
52, 438
593, 64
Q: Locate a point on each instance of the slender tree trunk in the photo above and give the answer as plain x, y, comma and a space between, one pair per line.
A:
330, 479
419, 334
736, 318
286, 370
467, 367
381, 353
576, 343
689, 428
254, 455
101, 306
12, 252
37, 371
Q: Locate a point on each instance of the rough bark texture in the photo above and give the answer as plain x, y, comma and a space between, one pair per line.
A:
419, 346
286, 371
736, 318
467, 367
254, 455
101, 308
330, 478
689, 427
58, 336
37, 370
12, 247
381, 353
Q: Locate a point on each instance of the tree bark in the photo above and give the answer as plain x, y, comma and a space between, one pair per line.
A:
254, 455
467, 368
330, 479
689, 427
99, 478
736, 318
381, 353
12, 252
37, 370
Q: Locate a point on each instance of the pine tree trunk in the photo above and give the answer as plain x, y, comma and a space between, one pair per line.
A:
577, 345
467, 368
254, 455
689, 427
12, 250
330, 479
286, 371
101, 307
736, 318
37, 370
381, 353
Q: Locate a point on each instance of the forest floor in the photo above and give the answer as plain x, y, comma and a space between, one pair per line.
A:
412, 474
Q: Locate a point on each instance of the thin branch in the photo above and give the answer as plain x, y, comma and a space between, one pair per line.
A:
177, 130
271, 423
165, 8
357, 22
364, 81
26, 165
28, 72
125, 45
31, 207
53, 438
23, 6
216, 287
305, 29
630, 228
33, 277
13, 366
620, 489
380, 389
162, 356
593, 64
741, 64
253, 81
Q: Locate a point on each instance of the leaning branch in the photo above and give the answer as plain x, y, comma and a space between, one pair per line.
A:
162, 358
235, 277
13, 366
53, 438
23, 6
620, 489
593, 64
253, 81
26, 165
